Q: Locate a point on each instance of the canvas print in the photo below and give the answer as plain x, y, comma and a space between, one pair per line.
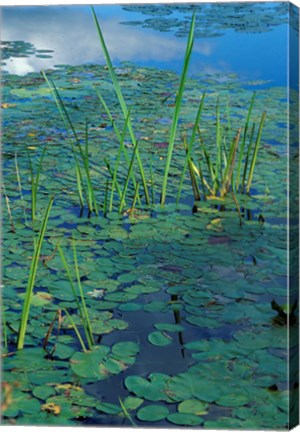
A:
150, 215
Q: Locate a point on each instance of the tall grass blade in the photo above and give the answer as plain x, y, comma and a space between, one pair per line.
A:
12, 225
68, 271
76, 330
247, 160
35, 181
122, 202
241, 155
20, 187
90, 337
136, 192
218, 139
190, 146
227, 179
256, 147
31, 279
3, 326
69, 125
192, 170
237, 207
121, 101
176, 113
105, 198
126, 413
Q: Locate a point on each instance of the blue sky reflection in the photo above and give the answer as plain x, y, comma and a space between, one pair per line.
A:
70, 32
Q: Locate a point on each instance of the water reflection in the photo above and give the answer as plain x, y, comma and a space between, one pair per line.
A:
70, 32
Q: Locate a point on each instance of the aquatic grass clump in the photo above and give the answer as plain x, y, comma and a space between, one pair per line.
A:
219, 169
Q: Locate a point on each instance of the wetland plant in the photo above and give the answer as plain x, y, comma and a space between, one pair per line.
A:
217, 172
81, 306
32, 275
35, 179
84, 186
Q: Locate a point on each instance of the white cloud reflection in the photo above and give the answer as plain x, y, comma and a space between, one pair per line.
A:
71, 33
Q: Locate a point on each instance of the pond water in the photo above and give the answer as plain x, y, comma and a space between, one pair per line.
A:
164, 291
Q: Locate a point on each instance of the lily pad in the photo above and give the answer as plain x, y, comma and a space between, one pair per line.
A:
158, 338
152, 413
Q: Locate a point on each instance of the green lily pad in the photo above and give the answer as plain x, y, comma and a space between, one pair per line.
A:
152, 413
193, 406
158, 338
183, 419
43, 392
169, 327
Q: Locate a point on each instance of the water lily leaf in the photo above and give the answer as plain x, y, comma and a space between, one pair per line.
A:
193, 406
125, 349
183, 419
233, 399
151, 413
169, 327
86, 365
158, 338
152, 389
132, 403
130, 307
43, 392
108, 408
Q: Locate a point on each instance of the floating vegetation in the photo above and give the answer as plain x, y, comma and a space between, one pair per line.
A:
169, 306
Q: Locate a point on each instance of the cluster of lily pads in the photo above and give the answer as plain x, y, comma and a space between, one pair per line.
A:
172, 308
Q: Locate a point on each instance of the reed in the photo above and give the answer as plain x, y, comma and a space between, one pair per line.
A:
122, 103
126, 413
83, 190
32, 276
9, 212
190, 145
179, 96
241, 155
255, 152
81, 306
35, 179
20, 188
122, 201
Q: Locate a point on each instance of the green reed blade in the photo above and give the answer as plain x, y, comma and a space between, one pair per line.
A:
20, 187
218, 140
190, 146
256, 147
76, 330
176, 113
31, 279
227, 179
211, 170
151, 178
105, 198
122, 202
92, 205
195, 187
121, 101
135, 197
241, 155
90, 337
248, 157
121, 138
237, 207
126, 413
68, 271
3, 326
203, 181
12, 225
